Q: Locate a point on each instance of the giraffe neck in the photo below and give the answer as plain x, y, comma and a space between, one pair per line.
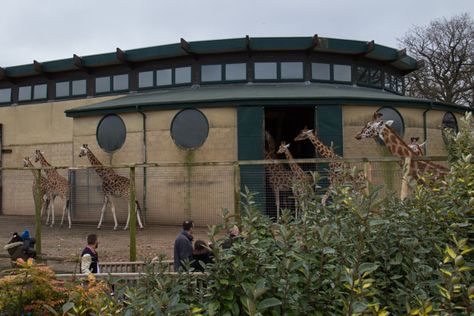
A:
103, 172
395, 144
51, 173
294, 166
322, 149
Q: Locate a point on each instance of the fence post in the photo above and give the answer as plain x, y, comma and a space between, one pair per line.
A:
38, 206
133, 217
406, 171
237, 192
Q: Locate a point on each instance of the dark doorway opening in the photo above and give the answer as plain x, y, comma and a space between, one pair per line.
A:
284, 124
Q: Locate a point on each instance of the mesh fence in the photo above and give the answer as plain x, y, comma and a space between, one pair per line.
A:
167, 195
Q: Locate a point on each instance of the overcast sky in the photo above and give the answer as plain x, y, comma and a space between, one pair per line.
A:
46, 30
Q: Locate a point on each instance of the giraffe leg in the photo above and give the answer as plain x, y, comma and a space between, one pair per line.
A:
128, 218
48, 210
102, 211
112, 207
62, 217
52, 212
139, 210
68, 203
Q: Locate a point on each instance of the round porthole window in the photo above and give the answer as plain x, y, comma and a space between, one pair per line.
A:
390, 114
189, 128
111, 133
449, 123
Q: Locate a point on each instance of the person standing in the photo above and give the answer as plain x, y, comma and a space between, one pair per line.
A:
89, 256
183, 245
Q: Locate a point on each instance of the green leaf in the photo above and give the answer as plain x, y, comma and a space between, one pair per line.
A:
359, 307
267, 303
177, 308
68, 306
328, 250
375, 222
367, 267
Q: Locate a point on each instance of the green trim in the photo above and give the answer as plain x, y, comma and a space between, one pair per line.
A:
232, 95
233, 45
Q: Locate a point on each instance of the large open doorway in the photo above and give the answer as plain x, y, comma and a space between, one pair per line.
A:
284, 124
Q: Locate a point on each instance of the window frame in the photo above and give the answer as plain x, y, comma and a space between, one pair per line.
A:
11, 96
111, 84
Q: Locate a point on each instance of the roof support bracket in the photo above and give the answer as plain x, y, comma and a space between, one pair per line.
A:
248, 46
122, 57
187, 48
79, 64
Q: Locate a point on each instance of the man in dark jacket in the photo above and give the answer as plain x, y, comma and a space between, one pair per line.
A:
28, 244
183, 245
89, 256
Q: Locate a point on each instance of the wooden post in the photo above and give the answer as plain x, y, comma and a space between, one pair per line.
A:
237, 192
133, 217
38, 206
406, 173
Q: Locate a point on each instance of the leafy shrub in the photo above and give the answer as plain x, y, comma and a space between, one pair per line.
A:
28, 288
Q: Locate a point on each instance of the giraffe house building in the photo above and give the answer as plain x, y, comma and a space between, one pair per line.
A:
192, 111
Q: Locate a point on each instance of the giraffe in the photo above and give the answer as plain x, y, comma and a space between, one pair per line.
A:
113, 185
59, 187
379, 128
44, 187
415, 147
279, 178
337, 170
301, 182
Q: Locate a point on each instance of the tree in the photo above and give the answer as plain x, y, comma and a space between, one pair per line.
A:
446, 47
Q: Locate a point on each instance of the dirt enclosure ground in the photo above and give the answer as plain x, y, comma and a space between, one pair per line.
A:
113, 245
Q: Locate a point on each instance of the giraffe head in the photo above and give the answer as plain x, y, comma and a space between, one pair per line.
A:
38, 155
417, 148
27, 162
84, 150
305, 133
373, 128
283, 147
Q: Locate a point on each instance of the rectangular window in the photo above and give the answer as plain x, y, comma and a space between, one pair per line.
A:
375, 77
265, 71
211, 73
342, 73
5, 95
40, 91
145, 79
182, 75
235, 72
388, 82
321, 71
79, 87
120, 82
24, 93
362, 75
62, 89
164, 77
291, 70
102, 84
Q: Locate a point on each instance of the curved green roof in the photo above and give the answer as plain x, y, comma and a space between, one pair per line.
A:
369, 50
285, 94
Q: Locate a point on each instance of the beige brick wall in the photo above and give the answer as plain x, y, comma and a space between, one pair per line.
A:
27, 128
173, 194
